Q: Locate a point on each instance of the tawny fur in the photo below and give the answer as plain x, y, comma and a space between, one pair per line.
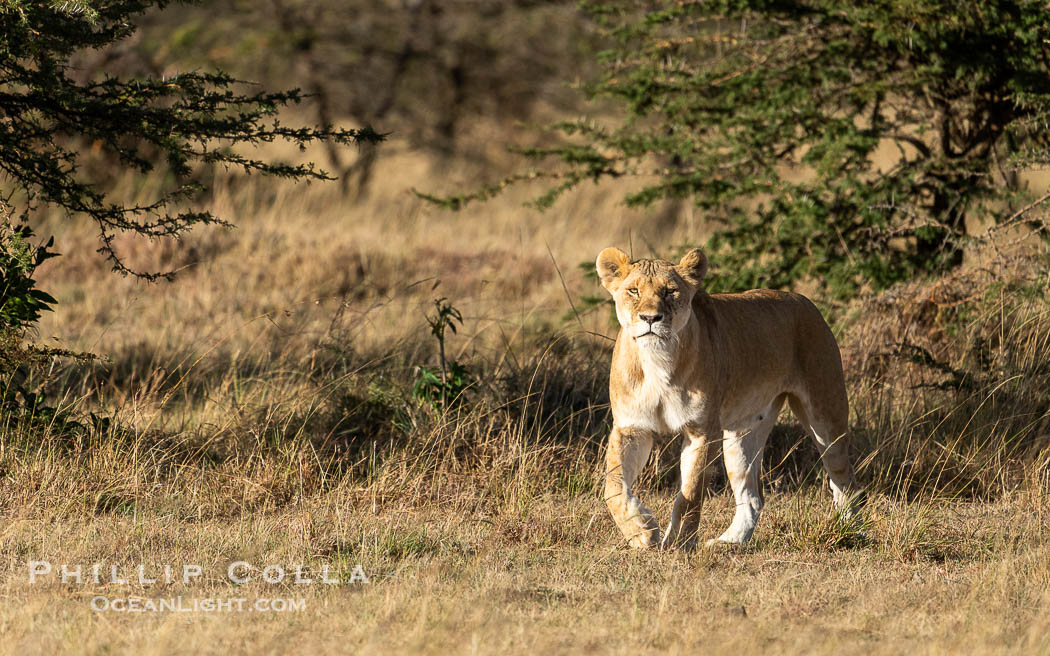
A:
716, 368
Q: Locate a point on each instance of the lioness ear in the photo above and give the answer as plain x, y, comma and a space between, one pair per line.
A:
693, 266
613, 266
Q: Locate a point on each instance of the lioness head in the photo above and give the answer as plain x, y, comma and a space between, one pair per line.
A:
653, 297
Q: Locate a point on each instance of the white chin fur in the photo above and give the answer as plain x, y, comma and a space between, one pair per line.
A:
654, 342
654, 338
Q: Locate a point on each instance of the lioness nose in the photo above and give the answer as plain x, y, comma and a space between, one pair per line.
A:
650, 318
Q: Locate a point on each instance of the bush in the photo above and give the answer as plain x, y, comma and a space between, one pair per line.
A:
847, 143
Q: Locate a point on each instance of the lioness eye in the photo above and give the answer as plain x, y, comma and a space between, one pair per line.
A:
633, 291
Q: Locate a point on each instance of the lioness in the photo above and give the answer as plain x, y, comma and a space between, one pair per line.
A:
717, 368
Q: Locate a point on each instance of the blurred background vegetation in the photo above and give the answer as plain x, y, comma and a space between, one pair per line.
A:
825, 147
425, 71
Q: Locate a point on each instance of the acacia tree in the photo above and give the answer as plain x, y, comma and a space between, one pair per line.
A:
844, 142
373, 60
183, 124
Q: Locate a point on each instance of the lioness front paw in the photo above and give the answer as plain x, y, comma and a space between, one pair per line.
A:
715, 543
642, 532
738, 533
645, 540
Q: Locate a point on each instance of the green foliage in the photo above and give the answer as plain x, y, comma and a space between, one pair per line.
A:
848, 143
183, 123
25, 405
20, 301
441, 387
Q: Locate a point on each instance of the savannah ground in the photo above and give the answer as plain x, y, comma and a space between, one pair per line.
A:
260, 408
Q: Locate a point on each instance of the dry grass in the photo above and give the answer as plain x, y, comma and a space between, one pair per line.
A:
261, 410
550, 580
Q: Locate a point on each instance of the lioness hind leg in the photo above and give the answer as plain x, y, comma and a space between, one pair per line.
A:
742, 451
626, 456
829, 431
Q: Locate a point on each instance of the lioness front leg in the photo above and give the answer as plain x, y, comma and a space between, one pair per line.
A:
627, 453
700, 449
